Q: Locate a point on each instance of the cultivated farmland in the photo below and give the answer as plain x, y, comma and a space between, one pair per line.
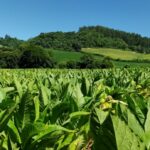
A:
117, 54
75, 109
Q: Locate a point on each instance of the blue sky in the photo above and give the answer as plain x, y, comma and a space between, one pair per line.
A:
27, 18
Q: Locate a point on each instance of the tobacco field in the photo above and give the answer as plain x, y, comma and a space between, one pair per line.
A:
42, 109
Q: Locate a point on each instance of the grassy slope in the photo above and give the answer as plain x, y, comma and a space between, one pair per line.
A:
131, 64
64, 56
117, 54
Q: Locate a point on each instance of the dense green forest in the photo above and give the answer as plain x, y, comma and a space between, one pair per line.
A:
11, 42
93, 36
37, 52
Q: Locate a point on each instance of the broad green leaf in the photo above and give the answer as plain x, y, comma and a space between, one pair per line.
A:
26, 112
44, 95
6, 115
85, 87
134, 125
102, 115
18, 86
2, 95
147, 130
78, 96
13, 132
4, 91
48, 131
147, 122
78, 114
132, 121
37, 108
125, 138
65, 141
77, 144
29, 131
11, 144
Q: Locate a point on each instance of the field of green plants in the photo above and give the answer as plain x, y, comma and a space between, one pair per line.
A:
75, 109
117, 53
63, 56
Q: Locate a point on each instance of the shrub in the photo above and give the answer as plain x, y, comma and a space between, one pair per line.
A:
35, 57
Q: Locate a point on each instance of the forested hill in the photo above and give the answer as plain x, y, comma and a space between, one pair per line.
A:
10, 42
93, 36
42, 51
86, 37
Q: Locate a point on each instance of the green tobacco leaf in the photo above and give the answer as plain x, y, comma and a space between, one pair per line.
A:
79, 113
8, 89
134, 125
125, 138
18, 86
77, 144
102, 115
85, 87
65, 141
4, 91
29, 131
147, 123
6, 115
132, 121
147, 130
37, 108
2, 95
76, 115
44, 95
26, 113
13, 132
147, 139
48, 132
11, 145
136, 107
102, 134
65, 91
78, 96
58, 111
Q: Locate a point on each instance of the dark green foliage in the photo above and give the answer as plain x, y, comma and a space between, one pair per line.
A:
10, 42
71, 65
9, 58
35, 57
76, 46
15, 53
27, 56
57, 40
93, 36
118, 39
75, 109
89, 62
107, 63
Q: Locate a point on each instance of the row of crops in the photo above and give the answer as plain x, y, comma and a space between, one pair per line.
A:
75, 110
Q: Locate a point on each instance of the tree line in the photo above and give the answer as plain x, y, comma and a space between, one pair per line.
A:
15, 53
85, 37
10, 42
93, 36
32, 56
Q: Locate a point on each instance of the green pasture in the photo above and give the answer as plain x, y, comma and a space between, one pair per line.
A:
117, 53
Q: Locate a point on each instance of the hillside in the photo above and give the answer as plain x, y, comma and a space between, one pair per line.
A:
10, 42
65, 56
55, 48
93, 36
85, 37
117, 54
